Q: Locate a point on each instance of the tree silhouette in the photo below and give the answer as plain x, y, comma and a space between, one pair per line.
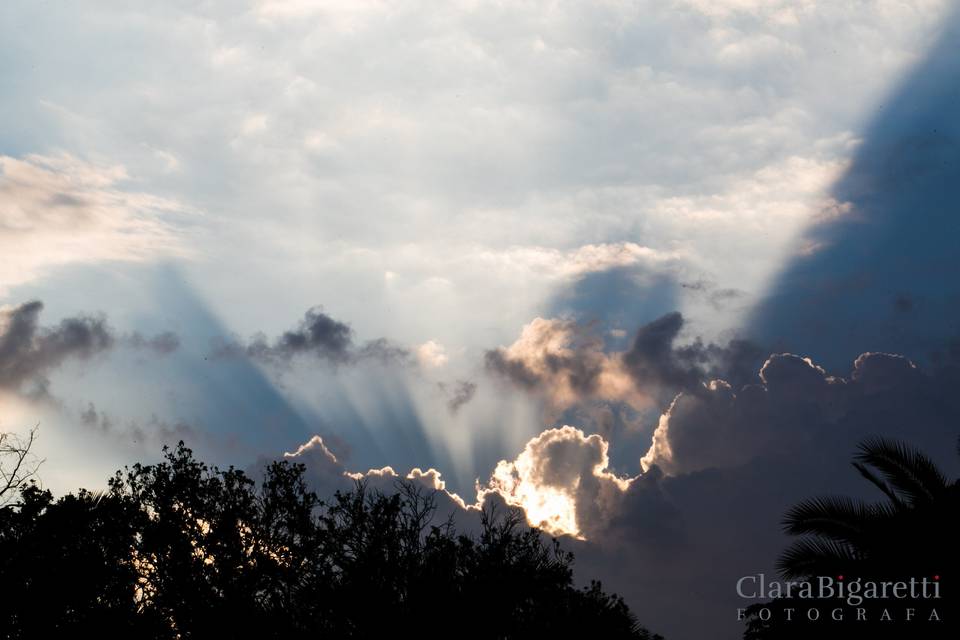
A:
17, 463
180, 549
913, 533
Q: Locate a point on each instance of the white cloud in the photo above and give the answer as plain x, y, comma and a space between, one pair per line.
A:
463, 140
431, 355
59, 210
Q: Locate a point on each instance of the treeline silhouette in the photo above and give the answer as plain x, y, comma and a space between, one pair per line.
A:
180, 549
913, 533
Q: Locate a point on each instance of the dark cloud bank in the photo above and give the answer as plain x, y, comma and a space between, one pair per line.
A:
29, 351
318, 336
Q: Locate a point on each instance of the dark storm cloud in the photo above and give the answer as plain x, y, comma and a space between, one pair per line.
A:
91, 418
318, 336
29, 352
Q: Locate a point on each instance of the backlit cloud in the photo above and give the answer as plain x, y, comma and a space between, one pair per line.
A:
567, 363
561, 481
564, 362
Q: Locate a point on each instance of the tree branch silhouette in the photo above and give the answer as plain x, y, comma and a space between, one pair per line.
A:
17, 463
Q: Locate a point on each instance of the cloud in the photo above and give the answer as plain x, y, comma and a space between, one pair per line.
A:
317, 336
161, 343
720, 426
461, 393
717, 297
585, 259
29, 352
561, 481
326, 474
145, 434
588, 127
58, 210
431, 354
568, 363
562, 474
725, 463
653, 361
564, 362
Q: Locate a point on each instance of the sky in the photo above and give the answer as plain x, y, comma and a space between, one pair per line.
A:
648, 270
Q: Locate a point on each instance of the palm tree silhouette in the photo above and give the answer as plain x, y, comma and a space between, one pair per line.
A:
912, 533
845, 535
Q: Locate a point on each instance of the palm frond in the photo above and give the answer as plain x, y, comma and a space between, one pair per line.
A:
911, 473
810, 556
839, 519
880, 484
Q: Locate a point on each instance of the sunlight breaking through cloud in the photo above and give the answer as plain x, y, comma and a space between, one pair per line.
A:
552, 476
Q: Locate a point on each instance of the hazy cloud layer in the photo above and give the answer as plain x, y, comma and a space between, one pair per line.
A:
60, 210
147, 434
531, 140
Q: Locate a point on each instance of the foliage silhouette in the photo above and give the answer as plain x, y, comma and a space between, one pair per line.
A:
183, 550
17, 463
914, 533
